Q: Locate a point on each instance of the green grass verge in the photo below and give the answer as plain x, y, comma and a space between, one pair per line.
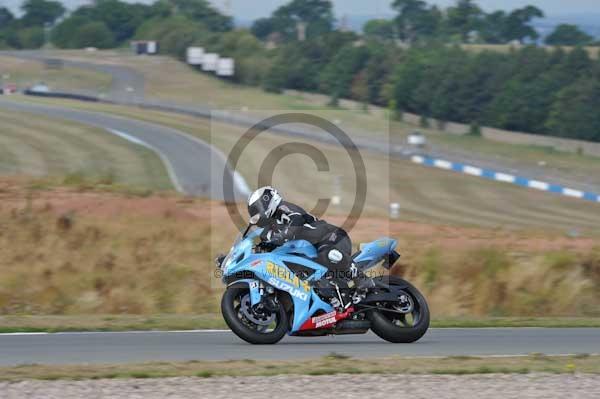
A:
38, 146
327, 365
25, 73
12, 324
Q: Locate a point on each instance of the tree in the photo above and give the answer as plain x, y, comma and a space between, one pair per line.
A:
30, 38
174, 34
415, 20
336, 79
493, 28
238, 43
263, 27
80, 32
41, 12
463, 85
464, 18
297, 65
407, 77
94, 34
202, 11
360, 88
568, 35
122, 18
378, 72
65, 34
160, 9
5, 17
379, 29
517, 24
523, 102
575, 113
314, 16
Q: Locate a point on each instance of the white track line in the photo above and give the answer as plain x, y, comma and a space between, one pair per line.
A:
229, 331
238, 180
115, 332
163, 157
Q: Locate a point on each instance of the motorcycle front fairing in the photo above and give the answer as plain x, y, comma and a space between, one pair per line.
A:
271, 268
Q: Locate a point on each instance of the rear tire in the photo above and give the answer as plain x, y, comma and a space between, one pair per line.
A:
382, 322
243, 329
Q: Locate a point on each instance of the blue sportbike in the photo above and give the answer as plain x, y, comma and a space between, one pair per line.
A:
273, 291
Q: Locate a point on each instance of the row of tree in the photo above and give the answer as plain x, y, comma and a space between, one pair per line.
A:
103, 24
28, 31
531, 89
109, 23
416, 21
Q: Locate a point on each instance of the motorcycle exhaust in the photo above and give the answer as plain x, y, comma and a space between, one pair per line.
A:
352, 327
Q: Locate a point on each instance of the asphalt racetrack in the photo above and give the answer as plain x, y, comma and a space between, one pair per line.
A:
130, 347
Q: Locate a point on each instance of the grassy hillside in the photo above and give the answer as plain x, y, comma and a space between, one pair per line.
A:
170, 80
36, 146
424, 194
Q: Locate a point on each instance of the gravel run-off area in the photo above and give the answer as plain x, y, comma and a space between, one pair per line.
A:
487, 386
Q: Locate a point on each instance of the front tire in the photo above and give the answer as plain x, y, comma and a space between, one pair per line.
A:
250, 332
394, 328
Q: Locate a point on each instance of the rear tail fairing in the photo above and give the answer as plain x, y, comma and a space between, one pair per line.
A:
374, 252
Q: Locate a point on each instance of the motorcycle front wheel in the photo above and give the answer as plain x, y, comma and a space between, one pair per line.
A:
256, 326
396, 324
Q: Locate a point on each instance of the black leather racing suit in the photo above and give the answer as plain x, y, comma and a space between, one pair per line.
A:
291, 222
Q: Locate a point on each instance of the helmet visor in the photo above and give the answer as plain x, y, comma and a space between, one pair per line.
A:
254, 218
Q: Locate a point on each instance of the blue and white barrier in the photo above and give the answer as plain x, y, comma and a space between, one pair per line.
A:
504, 177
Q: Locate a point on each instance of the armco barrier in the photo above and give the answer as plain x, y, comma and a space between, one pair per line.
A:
504, 177
69, 96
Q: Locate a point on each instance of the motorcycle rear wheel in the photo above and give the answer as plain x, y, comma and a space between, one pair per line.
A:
392, 327
244, 328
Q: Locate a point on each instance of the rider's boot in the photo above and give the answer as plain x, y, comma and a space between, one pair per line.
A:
343, 292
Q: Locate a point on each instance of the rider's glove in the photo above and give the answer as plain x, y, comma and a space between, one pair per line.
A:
219, 260
277, 239
266, 245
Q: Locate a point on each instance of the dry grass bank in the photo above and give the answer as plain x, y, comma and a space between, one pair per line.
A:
593, 51
68, 251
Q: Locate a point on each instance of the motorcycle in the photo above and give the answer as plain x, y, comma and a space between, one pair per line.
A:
274, 291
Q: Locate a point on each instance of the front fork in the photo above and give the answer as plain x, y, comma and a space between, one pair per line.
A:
256, 292
261, 294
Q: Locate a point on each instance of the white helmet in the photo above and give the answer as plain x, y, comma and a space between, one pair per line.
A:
262, 204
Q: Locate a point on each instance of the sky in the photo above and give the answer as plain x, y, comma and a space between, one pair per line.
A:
252, 9
257, 8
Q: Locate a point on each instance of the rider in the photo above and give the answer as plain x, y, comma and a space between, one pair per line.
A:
283, 221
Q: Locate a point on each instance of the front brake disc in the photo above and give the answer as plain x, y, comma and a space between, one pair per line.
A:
260, 319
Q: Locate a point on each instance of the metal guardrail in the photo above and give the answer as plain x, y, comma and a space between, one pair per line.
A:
70, 96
